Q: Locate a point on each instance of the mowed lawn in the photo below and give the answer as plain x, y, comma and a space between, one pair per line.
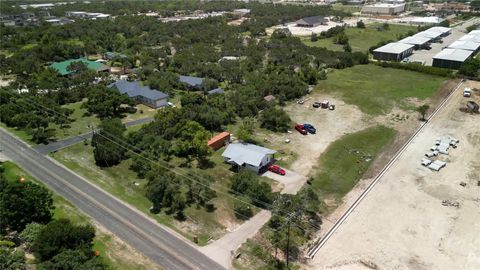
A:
362, 39
103, 242
376, 90
345, 161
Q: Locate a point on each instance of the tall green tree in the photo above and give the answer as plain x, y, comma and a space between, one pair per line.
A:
61, 235
22, 203
109, 147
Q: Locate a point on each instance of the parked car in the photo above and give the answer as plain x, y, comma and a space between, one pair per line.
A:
311, 129
331, 107
276, 169
317, 104
301, 129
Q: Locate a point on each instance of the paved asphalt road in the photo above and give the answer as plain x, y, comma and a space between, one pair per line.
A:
55, 146
145, 235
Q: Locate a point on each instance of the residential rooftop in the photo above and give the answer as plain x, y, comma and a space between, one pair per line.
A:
61, 67
191, 81
245, 153
133, 89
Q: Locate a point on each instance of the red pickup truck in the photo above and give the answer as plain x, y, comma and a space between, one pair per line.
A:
301, 129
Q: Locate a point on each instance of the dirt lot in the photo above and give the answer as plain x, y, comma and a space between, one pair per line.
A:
307, 149
402, 223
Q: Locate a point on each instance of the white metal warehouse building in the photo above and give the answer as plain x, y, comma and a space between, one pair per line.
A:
451, 58
394, 51
465, 45
418, 41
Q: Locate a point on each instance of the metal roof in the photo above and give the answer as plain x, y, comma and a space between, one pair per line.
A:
440, 29
428, 34
216, 91
191, 81
394, 47
311, 20
134, 89
465, 45
471, 37
62, 67
458, 55
416, 40
245, 153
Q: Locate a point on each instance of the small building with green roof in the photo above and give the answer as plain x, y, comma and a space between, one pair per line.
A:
61, 67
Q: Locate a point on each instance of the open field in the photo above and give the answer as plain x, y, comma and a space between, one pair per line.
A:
347, 8
362, 39
376, 90
406, 221
119, 256
345, 161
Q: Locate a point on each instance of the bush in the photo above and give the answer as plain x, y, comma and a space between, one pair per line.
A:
242, 209
418, 68
275, 119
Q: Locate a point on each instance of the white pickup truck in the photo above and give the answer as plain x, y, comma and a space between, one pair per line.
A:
467, 92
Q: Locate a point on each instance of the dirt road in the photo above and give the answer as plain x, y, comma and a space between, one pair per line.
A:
403, 223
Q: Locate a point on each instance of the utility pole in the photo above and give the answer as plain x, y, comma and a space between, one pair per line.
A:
288, 241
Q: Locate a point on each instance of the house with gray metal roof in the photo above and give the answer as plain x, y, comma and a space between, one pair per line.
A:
249, 156
394, 51
451, 58
312, 21
216, 91
141, 94
191, 82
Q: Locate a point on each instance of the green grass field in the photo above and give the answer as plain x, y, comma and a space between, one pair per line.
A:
345, 161
346, 8
63, 209
376, 90
362, 39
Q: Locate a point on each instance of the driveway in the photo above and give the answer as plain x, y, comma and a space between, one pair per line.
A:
292, 181
221, 250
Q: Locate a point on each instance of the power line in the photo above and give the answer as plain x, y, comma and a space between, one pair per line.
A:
178, 169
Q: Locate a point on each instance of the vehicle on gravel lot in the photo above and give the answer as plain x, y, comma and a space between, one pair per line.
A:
301, 129
311, 129
317, 104
331, 107
324, 104
276, 169
467, 92
426, 162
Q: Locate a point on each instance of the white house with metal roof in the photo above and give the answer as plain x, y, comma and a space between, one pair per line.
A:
249, 156
451, 58
394, 51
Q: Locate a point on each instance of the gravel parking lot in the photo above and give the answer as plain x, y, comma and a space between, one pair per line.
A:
426, 56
